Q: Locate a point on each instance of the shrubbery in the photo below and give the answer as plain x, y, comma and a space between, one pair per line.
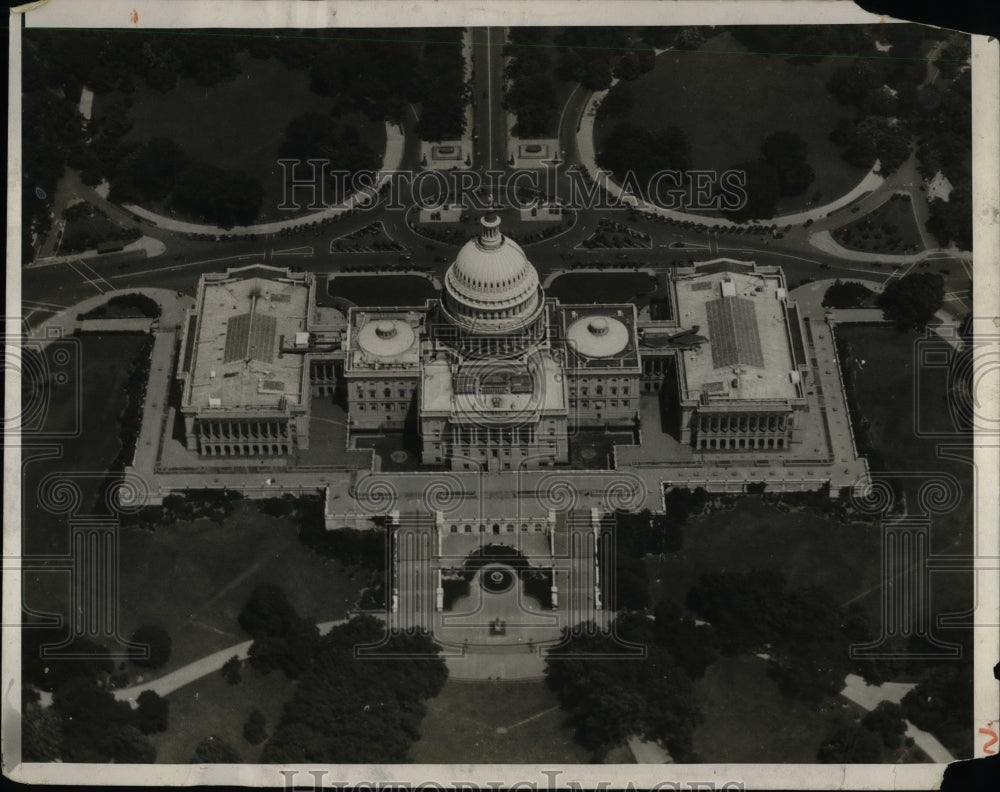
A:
158, 641
846, 294
122, 306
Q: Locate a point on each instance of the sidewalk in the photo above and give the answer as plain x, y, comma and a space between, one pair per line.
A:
823, 240
153, 247
588, 157
65, 323
868, 697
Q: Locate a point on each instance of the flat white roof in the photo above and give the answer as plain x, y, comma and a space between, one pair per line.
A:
748, 355
242, 325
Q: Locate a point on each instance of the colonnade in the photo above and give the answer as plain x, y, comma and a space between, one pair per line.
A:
243, 438
746, 431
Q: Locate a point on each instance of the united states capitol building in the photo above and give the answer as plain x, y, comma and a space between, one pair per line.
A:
492, 374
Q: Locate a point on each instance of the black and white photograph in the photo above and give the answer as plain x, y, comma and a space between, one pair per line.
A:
508, 394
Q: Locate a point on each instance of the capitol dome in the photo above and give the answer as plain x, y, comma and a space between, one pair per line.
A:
492, 287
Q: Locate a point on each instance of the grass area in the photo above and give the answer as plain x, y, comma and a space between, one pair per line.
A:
728, 101
194, 578
748, 720
892, 387
607, 287
382, 291
892, 228
211, 123
87, 227
212, 707
466, 719
97, 371
806, 547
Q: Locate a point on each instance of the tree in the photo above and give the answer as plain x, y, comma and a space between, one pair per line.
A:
155, 168
693, 646
851, 83
351, 709
41, 734
254, 731
939, 700
644, 152
804, 632
96, 727
215, 750
217, 195
153, 712
281, 638
846, 294
787, 153
912, 300
850, 745
616, 103
231, 670
611, 698
887, 721
267, 612
158, 642
763, 188
951, 221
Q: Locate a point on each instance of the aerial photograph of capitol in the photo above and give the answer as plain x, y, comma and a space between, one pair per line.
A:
617, 472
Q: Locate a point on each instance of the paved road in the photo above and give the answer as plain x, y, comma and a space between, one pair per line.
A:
489, 124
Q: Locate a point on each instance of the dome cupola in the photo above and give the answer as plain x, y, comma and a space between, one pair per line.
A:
492, 287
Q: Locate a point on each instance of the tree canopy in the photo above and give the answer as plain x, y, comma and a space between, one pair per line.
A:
846, 294
807, 636
353, 708
912, 301
282, 639
611, 696
157, 640
850, 745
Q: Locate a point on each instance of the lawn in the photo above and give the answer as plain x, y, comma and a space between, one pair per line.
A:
892, 228
211, 123
382, 291
747, 720
211, 707
606, 287
728, 101
806, 547
891, 388
503, 723
98, 368
194, 578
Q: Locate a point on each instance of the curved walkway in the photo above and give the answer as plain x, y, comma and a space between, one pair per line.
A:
392, 160
172, 308
153, 247
823, 240
192, 672
588, 158
868, 697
